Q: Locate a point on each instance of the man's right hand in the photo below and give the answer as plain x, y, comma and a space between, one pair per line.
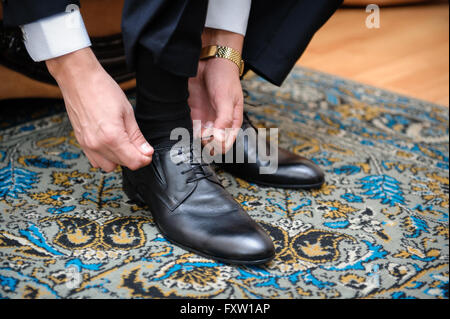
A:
102, 117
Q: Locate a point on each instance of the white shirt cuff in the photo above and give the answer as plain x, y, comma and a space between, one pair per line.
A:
56, 35
229, 15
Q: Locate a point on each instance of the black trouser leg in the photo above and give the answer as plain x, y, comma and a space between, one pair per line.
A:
161, 102
162, 80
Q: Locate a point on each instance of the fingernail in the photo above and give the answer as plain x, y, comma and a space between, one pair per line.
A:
146, 148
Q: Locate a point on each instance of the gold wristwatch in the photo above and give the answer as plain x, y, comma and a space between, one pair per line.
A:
219, 51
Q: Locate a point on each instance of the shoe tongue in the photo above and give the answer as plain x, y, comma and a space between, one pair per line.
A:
188, 155
184, 153
178, 155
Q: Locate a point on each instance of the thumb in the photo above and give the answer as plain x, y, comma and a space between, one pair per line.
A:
135, 135
224, 120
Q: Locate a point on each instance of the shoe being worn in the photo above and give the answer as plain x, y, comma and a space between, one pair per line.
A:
293, 171
193, 210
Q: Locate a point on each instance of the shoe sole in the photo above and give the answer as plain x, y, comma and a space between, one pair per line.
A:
135, 197
266, 184
220, 259
302, 186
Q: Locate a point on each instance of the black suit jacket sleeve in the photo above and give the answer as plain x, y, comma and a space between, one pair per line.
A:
278, 33
18, 12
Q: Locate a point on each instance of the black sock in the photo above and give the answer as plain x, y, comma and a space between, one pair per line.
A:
161, 101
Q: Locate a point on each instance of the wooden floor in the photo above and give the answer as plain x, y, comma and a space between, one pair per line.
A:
408, 54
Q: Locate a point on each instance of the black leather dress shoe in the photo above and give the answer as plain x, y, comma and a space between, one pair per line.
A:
293, 171
193, 210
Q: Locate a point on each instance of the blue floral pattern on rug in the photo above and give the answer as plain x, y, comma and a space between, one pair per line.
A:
378, 228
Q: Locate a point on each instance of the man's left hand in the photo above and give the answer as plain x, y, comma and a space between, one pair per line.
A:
215, 94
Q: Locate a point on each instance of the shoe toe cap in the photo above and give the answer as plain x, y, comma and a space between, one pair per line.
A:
258, 247
305, 173
255, 247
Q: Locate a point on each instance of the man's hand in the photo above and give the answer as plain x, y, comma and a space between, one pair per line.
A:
102, 118
215, 94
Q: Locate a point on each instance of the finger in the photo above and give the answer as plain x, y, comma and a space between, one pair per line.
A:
125, 144
231, 138
114, 145
207, 132
102, 162
224, 114
238, 114
223, 122
202, 128
125, 153
91, 159
135, 135
236, 126
217, 146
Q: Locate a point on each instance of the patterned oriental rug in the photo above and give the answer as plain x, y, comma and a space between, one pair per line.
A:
378, 228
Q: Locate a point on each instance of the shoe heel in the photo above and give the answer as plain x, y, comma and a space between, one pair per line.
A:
130, 192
